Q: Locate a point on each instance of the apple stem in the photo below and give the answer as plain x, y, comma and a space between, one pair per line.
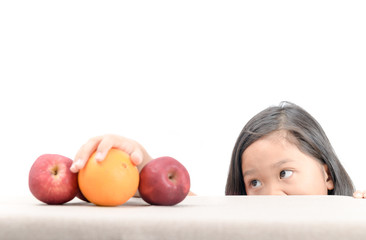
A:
54, 170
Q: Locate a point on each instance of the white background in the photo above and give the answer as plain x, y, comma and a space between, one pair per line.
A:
180, 78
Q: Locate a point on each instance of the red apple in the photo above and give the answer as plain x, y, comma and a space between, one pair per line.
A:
81, 196
51, 181
164, 181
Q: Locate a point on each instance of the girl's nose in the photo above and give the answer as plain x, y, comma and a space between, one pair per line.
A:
274, 190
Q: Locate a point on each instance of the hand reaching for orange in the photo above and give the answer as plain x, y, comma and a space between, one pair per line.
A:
101, 146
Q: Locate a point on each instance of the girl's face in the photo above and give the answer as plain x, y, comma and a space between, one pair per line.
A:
274, 166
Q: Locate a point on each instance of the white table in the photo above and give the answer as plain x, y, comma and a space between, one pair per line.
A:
197, 217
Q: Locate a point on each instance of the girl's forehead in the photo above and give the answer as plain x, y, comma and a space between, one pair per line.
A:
280, 135
274, 147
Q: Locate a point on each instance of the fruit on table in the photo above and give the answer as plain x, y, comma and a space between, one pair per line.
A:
164, 181
81, 196
110, 182
51, 181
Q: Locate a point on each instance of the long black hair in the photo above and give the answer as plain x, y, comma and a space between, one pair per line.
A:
310, 139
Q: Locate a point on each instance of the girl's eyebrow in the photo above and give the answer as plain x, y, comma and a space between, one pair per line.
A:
279, 163
275, 165
249, 172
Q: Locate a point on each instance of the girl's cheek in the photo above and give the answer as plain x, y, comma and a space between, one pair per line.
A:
252, 191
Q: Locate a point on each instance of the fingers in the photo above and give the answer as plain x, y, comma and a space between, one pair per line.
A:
127, 145
359, 194
101, 145
103, 148
84, 154
136, 157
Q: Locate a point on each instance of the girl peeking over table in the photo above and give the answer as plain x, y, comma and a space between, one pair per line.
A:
282, 150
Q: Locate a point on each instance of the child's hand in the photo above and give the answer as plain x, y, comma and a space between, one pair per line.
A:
359, 194
102, 144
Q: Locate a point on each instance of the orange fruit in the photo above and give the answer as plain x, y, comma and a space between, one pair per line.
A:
110, 182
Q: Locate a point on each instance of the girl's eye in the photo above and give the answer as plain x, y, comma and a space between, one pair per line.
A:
255, 183
286, 173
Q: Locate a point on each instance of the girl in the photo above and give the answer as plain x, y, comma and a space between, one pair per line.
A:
281, 151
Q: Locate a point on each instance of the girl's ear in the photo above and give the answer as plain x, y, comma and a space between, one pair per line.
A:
328, 178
